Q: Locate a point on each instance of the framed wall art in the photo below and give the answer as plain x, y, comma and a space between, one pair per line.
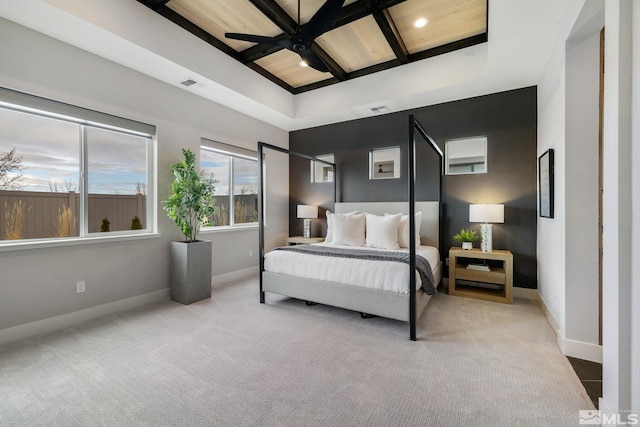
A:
384, 163
545, 183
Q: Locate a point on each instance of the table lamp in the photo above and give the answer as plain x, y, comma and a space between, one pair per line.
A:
307, 212
486, 213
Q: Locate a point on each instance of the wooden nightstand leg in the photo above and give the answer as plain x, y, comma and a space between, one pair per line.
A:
452, 274
508, 288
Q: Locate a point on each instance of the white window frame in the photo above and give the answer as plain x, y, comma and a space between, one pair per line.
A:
233, 152
84, 118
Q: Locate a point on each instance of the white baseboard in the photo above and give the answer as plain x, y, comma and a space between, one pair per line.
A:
555, 325
582, 350
572, 348
56, 323
234, 275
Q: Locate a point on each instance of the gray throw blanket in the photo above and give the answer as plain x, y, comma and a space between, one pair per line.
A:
422, 265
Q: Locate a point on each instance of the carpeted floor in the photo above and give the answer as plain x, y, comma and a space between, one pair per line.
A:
231, 361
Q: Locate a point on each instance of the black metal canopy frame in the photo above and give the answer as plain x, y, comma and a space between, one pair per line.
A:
415, 128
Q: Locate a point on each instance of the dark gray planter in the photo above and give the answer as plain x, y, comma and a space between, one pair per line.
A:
190, 271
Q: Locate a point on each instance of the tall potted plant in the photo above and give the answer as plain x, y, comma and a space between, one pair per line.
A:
190, 205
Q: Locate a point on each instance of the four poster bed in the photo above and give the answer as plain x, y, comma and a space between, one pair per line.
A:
371, 278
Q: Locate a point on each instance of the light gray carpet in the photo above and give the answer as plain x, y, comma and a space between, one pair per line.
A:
231, 361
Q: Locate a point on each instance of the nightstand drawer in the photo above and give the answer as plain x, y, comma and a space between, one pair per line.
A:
496, 275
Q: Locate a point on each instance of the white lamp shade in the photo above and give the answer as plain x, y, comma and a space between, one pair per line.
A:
307, 211
486, 213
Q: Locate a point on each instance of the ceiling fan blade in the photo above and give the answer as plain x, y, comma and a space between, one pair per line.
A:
253, 39
322, 20
286, 43
314, 61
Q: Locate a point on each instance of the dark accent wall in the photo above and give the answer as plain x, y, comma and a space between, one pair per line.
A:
507, 119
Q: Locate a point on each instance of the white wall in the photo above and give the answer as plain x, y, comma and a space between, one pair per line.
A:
568, 123
551, 134
39, 284
581, 188
619, 192
635, 262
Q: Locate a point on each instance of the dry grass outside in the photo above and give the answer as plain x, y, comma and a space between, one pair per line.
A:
243, 213
220, 216
66, 222
14, 219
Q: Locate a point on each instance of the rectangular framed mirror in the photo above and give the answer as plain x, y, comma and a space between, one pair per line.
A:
321, 172
466, 156
384, 163
545, 183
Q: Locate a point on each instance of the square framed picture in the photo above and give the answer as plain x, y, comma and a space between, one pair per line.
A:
545, 183
384, 163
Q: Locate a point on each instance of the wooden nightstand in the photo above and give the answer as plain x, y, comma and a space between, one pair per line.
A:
299, 240
500, 272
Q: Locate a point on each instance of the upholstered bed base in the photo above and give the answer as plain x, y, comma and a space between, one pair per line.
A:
393, 305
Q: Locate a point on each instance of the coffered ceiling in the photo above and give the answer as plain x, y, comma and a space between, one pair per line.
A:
522, 35
367, 36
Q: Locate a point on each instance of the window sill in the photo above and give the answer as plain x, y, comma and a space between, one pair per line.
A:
18, 245
228, 228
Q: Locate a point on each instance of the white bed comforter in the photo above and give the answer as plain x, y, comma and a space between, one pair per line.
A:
384, 275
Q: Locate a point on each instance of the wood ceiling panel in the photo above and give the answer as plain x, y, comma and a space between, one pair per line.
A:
286, 65
449, 21
307, 8
220, 16
367, 36
357, 45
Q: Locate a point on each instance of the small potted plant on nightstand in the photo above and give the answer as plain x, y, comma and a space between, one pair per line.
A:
466, 237
190, 205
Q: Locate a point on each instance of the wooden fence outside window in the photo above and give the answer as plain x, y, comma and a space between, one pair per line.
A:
44, 214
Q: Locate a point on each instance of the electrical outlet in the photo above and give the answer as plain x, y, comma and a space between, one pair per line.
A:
250, 253
446, 262
80, 287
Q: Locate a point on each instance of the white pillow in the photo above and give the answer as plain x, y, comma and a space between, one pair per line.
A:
382, 231
403, 230
348, 229
329, 236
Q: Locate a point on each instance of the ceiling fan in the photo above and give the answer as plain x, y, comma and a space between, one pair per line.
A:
302, 40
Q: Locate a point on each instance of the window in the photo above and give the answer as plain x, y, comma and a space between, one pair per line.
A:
70, 172
117, 179
466, 156
235, 171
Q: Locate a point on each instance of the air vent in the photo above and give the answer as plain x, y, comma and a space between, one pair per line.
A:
188, 82
380, 109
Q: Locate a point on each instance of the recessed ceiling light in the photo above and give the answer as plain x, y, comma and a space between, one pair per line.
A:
420, 22
303, 64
